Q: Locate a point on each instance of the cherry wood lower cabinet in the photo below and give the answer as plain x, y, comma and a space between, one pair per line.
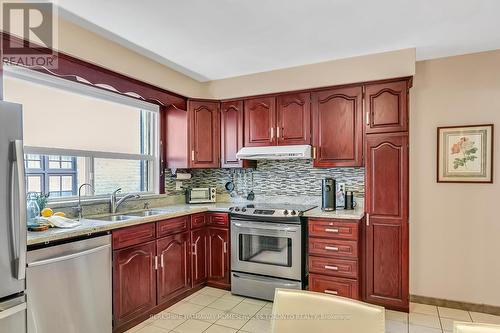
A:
174, 267
386, 230
156, 264
134, 281
218, 257
199, 243
334, 256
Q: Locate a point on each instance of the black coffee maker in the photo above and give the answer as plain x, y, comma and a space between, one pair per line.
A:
329, 188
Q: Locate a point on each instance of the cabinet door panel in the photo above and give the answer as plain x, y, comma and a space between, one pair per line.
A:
218, 245
174, 271
204, 134
338, 127
260, 120
134, 282
386, 251
386, 107
294, 119
199, 259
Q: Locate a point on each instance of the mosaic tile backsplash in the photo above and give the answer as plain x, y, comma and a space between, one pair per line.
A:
285, 177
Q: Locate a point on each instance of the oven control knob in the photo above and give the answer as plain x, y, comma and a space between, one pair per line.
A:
293, 212
243, 209
237, 209
231, 209
285, 212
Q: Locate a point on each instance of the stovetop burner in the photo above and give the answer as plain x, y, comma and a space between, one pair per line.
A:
271, 209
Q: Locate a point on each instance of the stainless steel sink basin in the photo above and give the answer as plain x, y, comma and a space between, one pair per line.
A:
151, 212
115, 218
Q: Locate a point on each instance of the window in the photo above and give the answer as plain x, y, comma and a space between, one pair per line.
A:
75, 133
53, 175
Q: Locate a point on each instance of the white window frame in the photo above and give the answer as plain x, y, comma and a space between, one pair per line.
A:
105, 93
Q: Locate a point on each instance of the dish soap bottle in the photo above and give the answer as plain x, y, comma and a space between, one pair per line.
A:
33, 211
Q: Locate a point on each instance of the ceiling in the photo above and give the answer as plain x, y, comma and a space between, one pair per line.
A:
209, 40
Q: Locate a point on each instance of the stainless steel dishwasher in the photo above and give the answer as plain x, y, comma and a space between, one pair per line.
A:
69, 287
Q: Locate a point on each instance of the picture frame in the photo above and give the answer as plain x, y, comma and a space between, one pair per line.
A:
465, 154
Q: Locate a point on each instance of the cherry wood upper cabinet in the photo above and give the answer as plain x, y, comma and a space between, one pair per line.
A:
174, 273
386, 107
232, 135
294, 119
218, 256
260, 120
204, 131
386, 230
134, 282
199, 240
337, 118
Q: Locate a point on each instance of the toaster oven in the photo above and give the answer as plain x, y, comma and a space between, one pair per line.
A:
201, 195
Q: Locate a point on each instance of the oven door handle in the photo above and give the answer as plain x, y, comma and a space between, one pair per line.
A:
256, 278
264, 226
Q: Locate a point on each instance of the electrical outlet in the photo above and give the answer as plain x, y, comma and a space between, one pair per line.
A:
341, 187
178, 186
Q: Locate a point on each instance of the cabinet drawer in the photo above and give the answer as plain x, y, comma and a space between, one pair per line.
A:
333, 247
333, 229
218, 219
334, 286
172, 226
133, 235
334, 267
198, 220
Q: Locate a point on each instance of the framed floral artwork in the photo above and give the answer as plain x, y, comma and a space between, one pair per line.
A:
465, 154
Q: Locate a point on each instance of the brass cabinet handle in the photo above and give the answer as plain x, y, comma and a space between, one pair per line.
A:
332, 292
335, 230
272, 133
156, 262
314, 153
368, 118
332, 268
192, 155
277, 132
331, 248
161, 260
225, 247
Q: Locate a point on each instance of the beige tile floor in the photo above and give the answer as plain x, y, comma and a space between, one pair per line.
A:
213, 310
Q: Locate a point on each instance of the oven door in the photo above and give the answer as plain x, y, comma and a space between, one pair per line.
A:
265, 248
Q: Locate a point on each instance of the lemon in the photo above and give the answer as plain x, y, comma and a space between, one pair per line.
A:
61, 214
47, 212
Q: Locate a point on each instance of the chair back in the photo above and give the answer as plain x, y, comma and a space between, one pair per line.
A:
299, 311
460, 327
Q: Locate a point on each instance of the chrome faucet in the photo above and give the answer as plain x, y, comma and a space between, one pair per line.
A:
114, 204
79, 209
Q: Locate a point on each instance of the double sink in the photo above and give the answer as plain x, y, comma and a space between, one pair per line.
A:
130, 216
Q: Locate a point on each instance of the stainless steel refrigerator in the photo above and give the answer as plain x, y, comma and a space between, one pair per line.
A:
12, 221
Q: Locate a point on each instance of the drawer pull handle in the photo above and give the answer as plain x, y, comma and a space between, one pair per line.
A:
331, 248
333, 268
332, 230
332, 292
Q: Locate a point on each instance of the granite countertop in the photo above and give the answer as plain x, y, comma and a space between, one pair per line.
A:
354, 214
90, 226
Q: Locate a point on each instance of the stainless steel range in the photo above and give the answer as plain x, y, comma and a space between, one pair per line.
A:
267, 249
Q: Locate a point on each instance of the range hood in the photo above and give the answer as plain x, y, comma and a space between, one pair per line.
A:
275, 153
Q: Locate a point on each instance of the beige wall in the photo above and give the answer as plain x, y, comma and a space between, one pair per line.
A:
350, 70
454, 228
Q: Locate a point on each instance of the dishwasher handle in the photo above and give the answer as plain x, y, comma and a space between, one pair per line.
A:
69, 256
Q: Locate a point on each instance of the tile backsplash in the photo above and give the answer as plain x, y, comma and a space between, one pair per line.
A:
285, 177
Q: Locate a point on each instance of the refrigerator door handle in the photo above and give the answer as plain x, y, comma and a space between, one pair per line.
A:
18, 207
